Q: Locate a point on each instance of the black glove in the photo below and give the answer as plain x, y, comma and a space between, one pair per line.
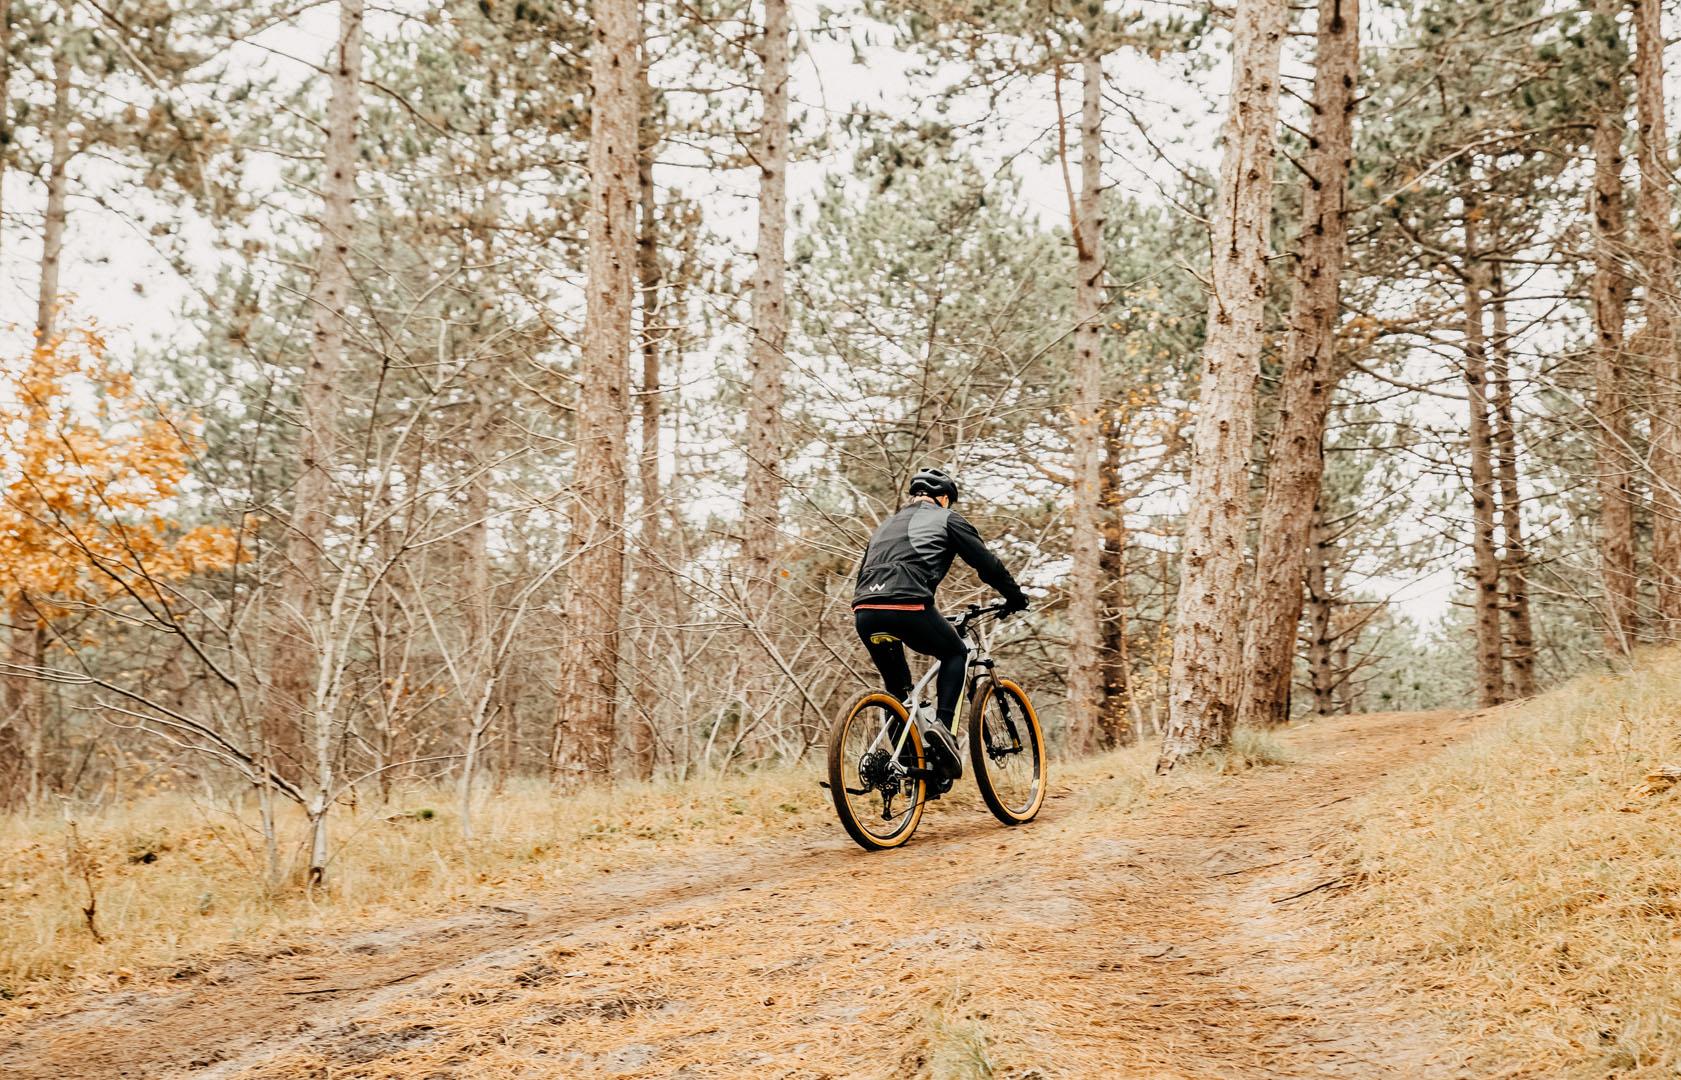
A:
1013, 604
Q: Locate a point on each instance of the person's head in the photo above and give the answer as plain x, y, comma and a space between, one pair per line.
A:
935, 484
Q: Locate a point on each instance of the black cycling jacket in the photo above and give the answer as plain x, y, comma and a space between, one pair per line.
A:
911, 552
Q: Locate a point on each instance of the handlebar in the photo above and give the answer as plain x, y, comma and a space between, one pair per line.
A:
976, 611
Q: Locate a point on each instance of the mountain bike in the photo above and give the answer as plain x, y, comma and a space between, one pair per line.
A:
878, 776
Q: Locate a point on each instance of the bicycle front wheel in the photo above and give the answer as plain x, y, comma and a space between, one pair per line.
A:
877, 803
1007, 749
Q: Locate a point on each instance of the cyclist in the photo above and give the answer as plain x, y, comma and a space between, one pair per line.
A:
893, 604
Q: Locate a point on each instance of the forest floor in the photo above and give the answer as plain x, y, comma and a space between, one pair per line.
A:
1166, 929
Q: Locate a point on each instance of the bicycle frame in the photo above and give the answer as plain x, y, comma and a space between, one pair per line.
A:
979, 642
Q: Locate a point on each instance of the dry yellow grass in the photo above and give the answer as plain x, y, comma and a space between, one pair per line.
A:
174, 877
200, 895
1528, 892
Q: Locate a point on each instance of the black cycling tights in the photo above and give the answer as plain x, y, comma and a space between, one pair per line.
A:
886, 633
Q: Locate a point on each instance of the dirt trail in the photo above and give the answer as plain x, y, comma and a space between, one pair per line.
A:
1164, 942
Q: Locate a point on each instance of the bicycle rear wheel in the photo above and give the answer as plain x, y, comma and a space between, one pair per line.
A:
879, 807
1007, 749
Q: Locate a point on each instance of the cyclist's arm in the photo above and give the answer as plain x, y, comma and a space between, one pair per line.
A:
973, 550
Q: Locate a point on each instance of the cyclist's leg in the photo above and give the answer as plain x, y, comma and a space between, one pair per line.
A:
929, 633
881, 636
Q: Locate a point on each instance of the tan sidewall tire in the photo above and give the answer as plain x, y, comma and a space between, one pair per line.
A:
837, 781
977, 750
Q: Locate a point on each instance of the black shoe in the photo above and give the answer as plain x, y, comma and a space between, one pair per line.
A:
942, 754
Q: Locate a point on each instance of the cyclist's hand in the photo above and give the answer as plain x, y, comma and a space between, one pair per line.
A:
1012, 605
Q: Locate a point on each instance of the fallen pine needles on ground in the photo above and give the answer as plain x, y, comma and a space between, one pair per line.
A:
178, 882
1526, 887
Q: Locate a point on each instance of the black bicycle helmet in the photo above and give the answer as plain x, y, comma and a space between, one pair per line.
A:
935, 482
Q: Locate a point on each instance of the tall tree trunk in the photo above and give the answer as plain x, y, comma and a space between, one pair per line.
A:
1514, 556
1615, 462
1322, 676
297, 685
1085, 601
1208, 645
586, 711
653, 572
1117, 727
58, 183
1296, 460
1657, 256
762, 495
481, 643
1491, 678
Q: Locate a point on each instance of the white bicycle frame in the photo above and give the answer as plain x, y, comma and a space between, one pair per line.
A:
922, 714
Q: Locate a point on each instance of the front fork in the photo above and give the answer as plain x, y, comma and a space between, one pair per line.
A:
1015, 747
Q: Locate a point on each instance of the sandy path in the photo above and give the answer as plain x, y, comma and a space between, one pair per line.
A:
1160, 941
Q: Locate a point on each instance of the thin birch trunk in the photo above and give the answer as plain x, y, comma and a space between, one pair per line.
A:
1491, 679
1657, 256
481, 645
761, 498
1085, 601
58, 185
1296, 460
1514, 556
1610, 294
299, 676
585, 721
1208, 644
1321, 673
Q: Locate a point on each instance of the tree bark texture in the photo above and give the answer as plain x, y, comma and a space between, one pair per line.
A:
58, 185
1657, 257
1208, 643
297, 677
585, 727
1514, 556
641, 735
291, 711
762, 496
1295, 461
1491, 678
1085, 598
1615, 461
1322, 677
1116, 717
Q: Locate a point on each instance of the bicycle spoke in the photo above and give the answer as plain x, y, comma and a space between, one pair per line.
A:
1008, 754
871, 760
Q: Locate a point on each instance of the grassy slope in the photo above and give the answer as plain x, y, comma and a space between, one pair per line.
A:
201, 893
1527, 891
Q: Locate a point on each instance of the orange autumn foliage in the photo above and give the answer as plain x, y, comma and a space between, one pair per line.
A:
90, 475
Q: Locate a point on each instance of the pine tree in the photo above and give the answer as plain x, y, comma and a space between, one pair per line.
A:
762, 496
1208, 646
1658, 340
1615, 468
586, 719
1311, 370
